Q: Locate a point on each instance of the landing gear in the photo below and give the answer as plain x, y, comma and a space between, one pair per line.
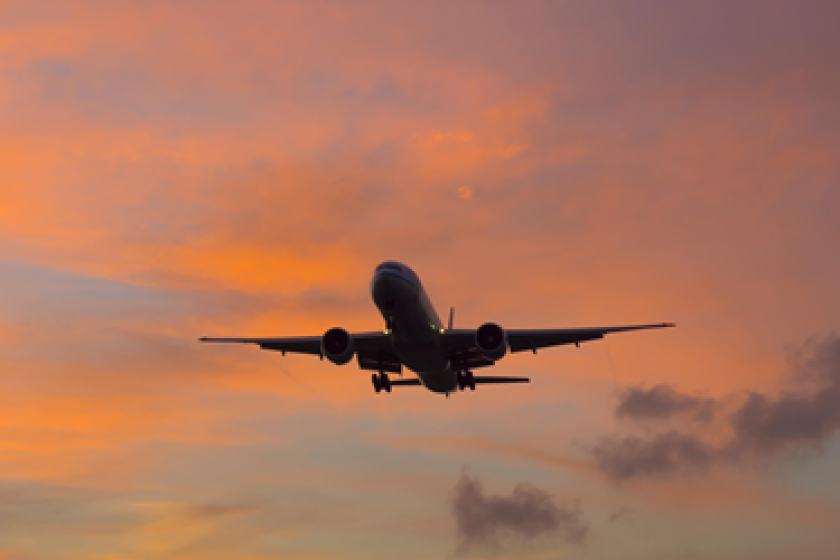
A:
380, 382
465, 379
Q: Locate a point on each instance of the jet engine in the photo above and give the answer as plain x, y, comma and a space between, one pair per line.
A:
491, 341
337, 345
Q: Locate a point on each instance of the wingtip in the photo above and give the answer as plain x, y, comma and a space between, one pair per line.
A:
669, 324
202, 339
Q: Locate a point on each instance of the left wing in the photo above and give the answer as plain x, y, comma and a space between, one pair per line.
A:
294, 344
373, 349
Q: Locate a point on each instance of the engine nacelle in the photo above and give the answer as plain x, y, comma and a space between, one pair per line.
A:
491, 341
337, 345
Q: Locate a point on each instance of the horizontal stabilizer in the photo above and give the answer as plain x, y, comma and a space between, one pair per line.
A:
480, 379
404, 382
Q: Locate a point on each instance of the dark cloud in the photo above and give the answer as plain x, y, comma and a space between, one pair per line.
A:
662, 402
761, 428
632, 456
767, 426
528, 513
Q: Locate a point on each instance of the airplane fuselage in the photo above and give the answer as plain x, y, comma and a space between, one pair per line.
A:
413, 325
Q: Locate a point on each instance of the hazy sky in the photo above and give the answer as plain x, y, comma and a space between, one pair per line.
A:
184, 168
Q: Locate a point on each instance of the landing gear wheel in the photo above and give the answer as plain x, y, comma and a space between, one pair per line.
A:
465, 379
384, 382
380, 382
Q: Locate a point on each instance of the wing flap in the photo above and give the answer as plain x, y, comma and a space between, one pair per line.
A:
379, 361
459, 347
469, 358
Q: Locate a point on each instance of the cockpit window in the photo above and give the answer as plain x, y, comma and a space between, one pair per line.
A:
389, 266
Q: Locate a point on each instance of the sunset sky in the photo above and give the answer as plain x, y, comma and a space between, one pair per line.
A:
173, 169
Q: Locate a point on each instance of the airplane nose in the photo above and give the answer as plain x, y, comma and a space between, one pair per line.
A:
388, 287
382, 286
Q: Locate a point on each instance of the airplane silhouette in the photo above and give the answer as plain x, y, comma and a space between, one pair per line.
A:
414, 337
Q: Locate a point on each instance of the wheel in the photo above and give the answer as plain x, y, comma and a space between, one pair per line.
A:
376, 386
465, 379
384, 382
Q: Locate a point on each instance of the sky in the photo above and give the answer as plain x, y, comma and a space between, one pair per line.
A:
176, 169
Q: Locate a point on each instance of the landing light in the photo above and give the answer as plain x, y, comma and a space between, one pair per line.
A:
386, 332
442, 331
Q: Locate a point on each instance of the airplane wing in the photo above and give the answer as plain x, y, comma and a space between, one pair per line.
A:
366, 343
295, 344
459, 344
520, 340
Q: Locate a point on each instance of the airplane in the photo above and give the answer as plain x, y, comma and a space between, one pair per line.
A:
414, 337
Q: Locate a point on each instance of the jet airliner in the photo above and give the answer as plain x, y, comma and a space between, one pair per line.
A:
414, 337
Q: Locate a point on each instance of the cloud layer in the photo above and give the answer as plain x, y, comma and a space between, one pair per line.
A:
176, 169
760, 429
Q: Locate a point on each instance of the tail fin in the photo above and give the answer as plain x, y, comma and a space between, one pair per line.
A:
451, 317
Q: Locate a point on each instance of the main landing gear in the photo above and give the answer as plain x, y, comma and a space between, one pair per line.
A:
465, 379
381, 381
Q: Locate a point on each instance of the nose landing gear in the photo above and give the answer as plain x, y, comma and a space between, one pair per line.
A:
380, 382
465, 379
